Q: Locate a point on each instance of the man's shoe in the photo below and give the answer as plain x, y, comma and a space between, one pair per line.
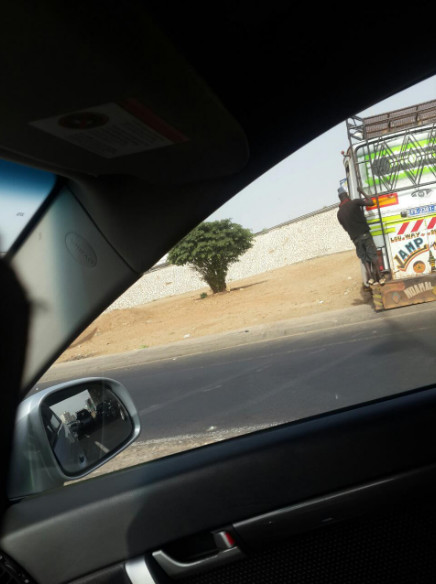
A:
381, 281
370, 281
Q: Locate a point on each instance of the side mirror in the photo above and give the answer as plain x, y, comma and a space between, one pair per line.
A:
65, 432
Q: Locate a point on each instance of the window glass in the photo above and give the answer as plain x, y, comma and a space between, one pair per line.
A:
296, 330
22, 191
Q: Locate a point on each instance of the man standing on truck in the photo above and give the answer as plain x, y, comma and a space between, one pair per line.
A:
352, 219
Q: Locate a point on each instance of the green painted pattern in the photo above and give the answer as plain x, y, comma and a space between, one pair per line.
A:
390, 219
400, 176
421, 143
415, 147
379, 232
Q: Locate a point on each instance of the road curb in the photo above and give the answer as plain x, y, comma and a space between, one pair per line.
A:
328, 320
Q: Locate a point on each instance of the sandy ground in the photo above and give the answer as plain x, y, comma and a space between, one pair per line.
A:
310, 287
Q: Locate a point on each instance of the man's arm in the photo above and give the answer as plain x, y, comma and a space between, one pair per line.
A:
366, 201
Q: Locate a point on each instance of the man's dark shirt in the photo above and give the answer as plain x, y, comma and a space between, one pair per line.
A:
351, 217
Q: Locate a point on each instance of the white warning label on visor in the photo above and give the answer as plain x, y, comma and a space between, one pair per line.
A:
112, 130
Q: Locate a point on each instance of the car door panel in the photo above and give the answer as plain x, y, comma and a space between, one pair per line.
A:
333, 467
395, 546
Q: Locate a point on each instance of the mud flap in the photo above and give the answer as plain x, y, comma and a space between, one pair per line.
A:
405, 292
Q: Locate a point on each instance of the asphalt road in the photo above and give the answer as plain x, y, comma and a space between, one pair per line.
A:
276, 381
265, 383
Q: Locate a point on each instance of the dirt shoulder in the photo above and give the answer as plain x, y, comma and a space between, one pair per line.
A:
312, 287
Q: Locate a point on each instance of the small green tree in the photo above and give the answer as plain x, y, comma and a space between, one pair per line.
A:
210, 248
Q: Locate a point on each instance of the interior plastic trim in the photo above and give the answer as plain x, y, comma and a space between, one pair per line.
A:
138, 572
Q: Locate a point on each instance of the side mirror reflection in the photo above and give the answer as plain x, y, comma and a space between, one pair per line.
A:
85, 424
65, 432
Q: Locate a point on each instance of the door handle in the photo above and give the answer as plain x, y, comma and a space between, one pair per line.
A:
227, 551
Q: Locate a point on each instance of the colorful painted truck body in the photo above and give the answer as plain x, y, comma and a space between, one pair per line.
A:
392, 156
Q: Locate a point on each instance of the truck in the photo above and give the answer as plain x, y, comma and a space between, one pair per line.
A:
392, 158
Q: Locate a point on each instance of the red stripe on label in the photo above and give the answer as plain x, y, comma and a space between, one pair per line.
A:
403, 228
143, 113
417, 225
432, 223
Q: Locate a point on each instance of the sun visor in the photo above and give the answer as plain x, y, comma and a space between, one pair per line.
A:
113, 99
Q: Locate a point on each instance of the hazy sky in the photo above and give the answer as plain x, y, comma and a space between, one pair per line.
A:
308, 180
22, 190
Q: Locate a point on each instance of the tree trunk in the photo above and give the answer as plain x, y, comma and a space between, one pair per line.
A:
216, 281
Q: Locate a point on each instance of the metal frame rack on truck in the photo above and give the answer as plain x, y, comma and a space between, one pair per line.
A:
392, 157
